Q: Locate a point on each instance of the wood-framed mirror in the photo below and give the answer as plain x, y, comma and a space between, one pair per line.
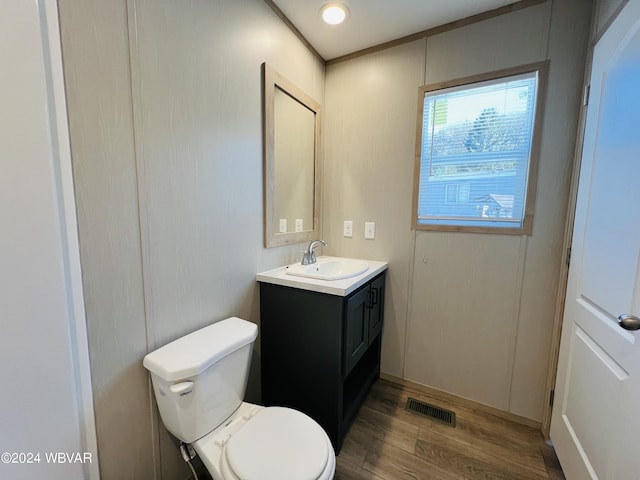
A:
292, 158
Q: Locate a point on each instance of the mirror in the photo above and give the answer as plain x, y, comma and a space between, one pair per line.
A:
292, 121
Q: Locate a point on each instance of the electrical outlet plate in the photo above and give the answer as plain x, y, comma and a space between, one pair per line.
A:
299, 225
369, 230
283, 225
348, 228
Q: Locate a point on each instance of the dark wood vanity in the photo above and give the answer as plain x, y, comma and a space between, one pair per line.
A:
320, 352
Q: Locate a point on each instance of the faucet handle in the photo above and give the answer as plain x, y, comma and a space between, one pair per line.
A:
306, 257
309, 255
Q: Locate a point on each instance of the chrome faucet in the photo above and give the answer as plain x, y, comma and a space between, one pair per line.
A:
309, 256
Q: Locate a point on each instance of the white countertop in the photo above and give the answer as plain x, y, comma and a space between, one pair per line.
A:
344, 287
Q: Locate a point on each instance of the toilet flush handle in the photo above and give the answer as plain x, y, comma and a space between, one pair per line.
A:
182, 388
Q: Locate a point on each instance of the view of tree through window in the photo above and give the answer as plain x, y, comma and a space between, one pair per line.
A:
476, 140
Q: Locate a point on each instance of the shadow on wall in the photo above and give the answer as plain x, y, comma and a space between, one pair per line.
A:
390, 311
114, 402
254, 383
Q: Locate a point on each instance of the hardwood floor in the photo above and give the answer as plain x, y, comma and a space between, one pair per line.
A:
385, 442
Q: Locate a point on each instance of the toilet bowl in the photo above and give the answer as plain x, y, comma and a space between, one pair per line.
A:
270, 443
199, 382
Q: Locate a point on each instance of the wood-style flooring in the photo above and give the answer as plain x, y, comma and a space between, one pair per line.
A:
385, 442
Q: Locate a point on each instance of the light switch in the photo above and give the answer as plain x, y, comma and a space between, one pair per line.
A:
299, 225
369, 230
283, 225
348, 228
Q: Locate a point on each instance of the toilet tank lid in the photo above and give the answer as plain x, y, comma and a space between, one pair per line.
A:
194, 353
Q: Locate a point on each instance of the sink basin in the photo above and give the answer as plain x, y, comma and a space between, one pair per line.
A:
330, 269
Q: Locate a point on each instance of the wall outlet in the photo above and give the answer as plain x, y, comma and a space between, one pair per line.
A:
283, 225
348, 228
299, 225
369, 230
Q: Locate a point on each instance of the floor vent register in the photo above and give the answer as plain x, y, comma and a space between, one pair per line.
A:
436, 413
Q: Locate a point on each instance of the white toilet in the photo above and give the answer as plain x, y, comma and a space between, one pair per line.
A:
199, 381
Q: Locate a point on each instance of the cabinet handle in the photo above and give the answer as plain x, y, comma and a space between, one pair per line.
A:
375, 296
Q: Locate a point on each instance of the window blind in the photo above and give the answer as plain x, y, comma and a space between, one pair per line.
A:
475, 152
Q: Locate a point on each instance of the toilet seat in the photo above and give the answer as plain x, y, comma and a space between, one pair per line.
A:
277, 443
281, 429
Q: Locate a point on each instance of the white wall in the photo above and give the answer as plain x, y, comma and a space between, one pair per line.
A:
165, 111
45, 406
469, 314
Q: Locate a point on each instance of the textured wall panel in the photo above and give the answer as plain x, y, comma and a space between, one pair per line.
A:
475, 360
568, 35
197, 103
370, 135
176, 125
501, 42
96, 65
465, 291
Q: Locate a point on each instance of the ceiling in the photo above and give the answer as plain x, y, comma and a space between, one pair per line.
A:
373, 22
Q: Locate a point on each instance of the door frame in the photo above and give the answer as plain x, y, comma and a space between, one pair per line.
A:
66, 206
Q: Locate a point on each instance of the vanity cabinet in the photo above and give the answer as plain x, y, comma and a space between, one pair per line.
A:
362, 322
320, 353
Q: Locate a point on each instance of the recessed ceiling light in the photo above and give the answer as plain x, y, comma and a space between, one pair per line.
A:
334, 13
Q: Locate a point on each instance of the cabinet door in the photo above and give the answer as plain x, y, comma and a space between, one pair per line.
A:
376, 312
356, 334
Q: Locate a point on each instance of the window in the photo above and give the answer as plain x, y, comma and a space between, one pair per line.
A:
477, 150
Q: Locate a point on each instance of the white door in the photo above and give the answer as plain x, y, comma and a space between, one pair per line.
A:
595, 425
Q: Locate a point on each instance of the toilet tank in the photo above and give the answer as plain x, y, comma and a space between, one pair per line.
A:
200, 379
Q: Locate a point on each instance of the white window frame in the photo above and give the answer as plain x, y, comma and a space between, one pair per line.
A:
526, 225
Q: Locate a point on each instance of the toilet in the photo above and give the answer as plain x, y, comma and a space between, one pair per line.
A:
199, 382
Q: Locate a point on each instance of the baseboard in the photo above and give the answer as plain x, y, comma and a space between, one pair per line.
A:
464, 402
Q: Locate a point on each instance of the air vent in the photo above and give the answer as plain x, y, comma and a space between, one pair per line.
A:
445, 416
